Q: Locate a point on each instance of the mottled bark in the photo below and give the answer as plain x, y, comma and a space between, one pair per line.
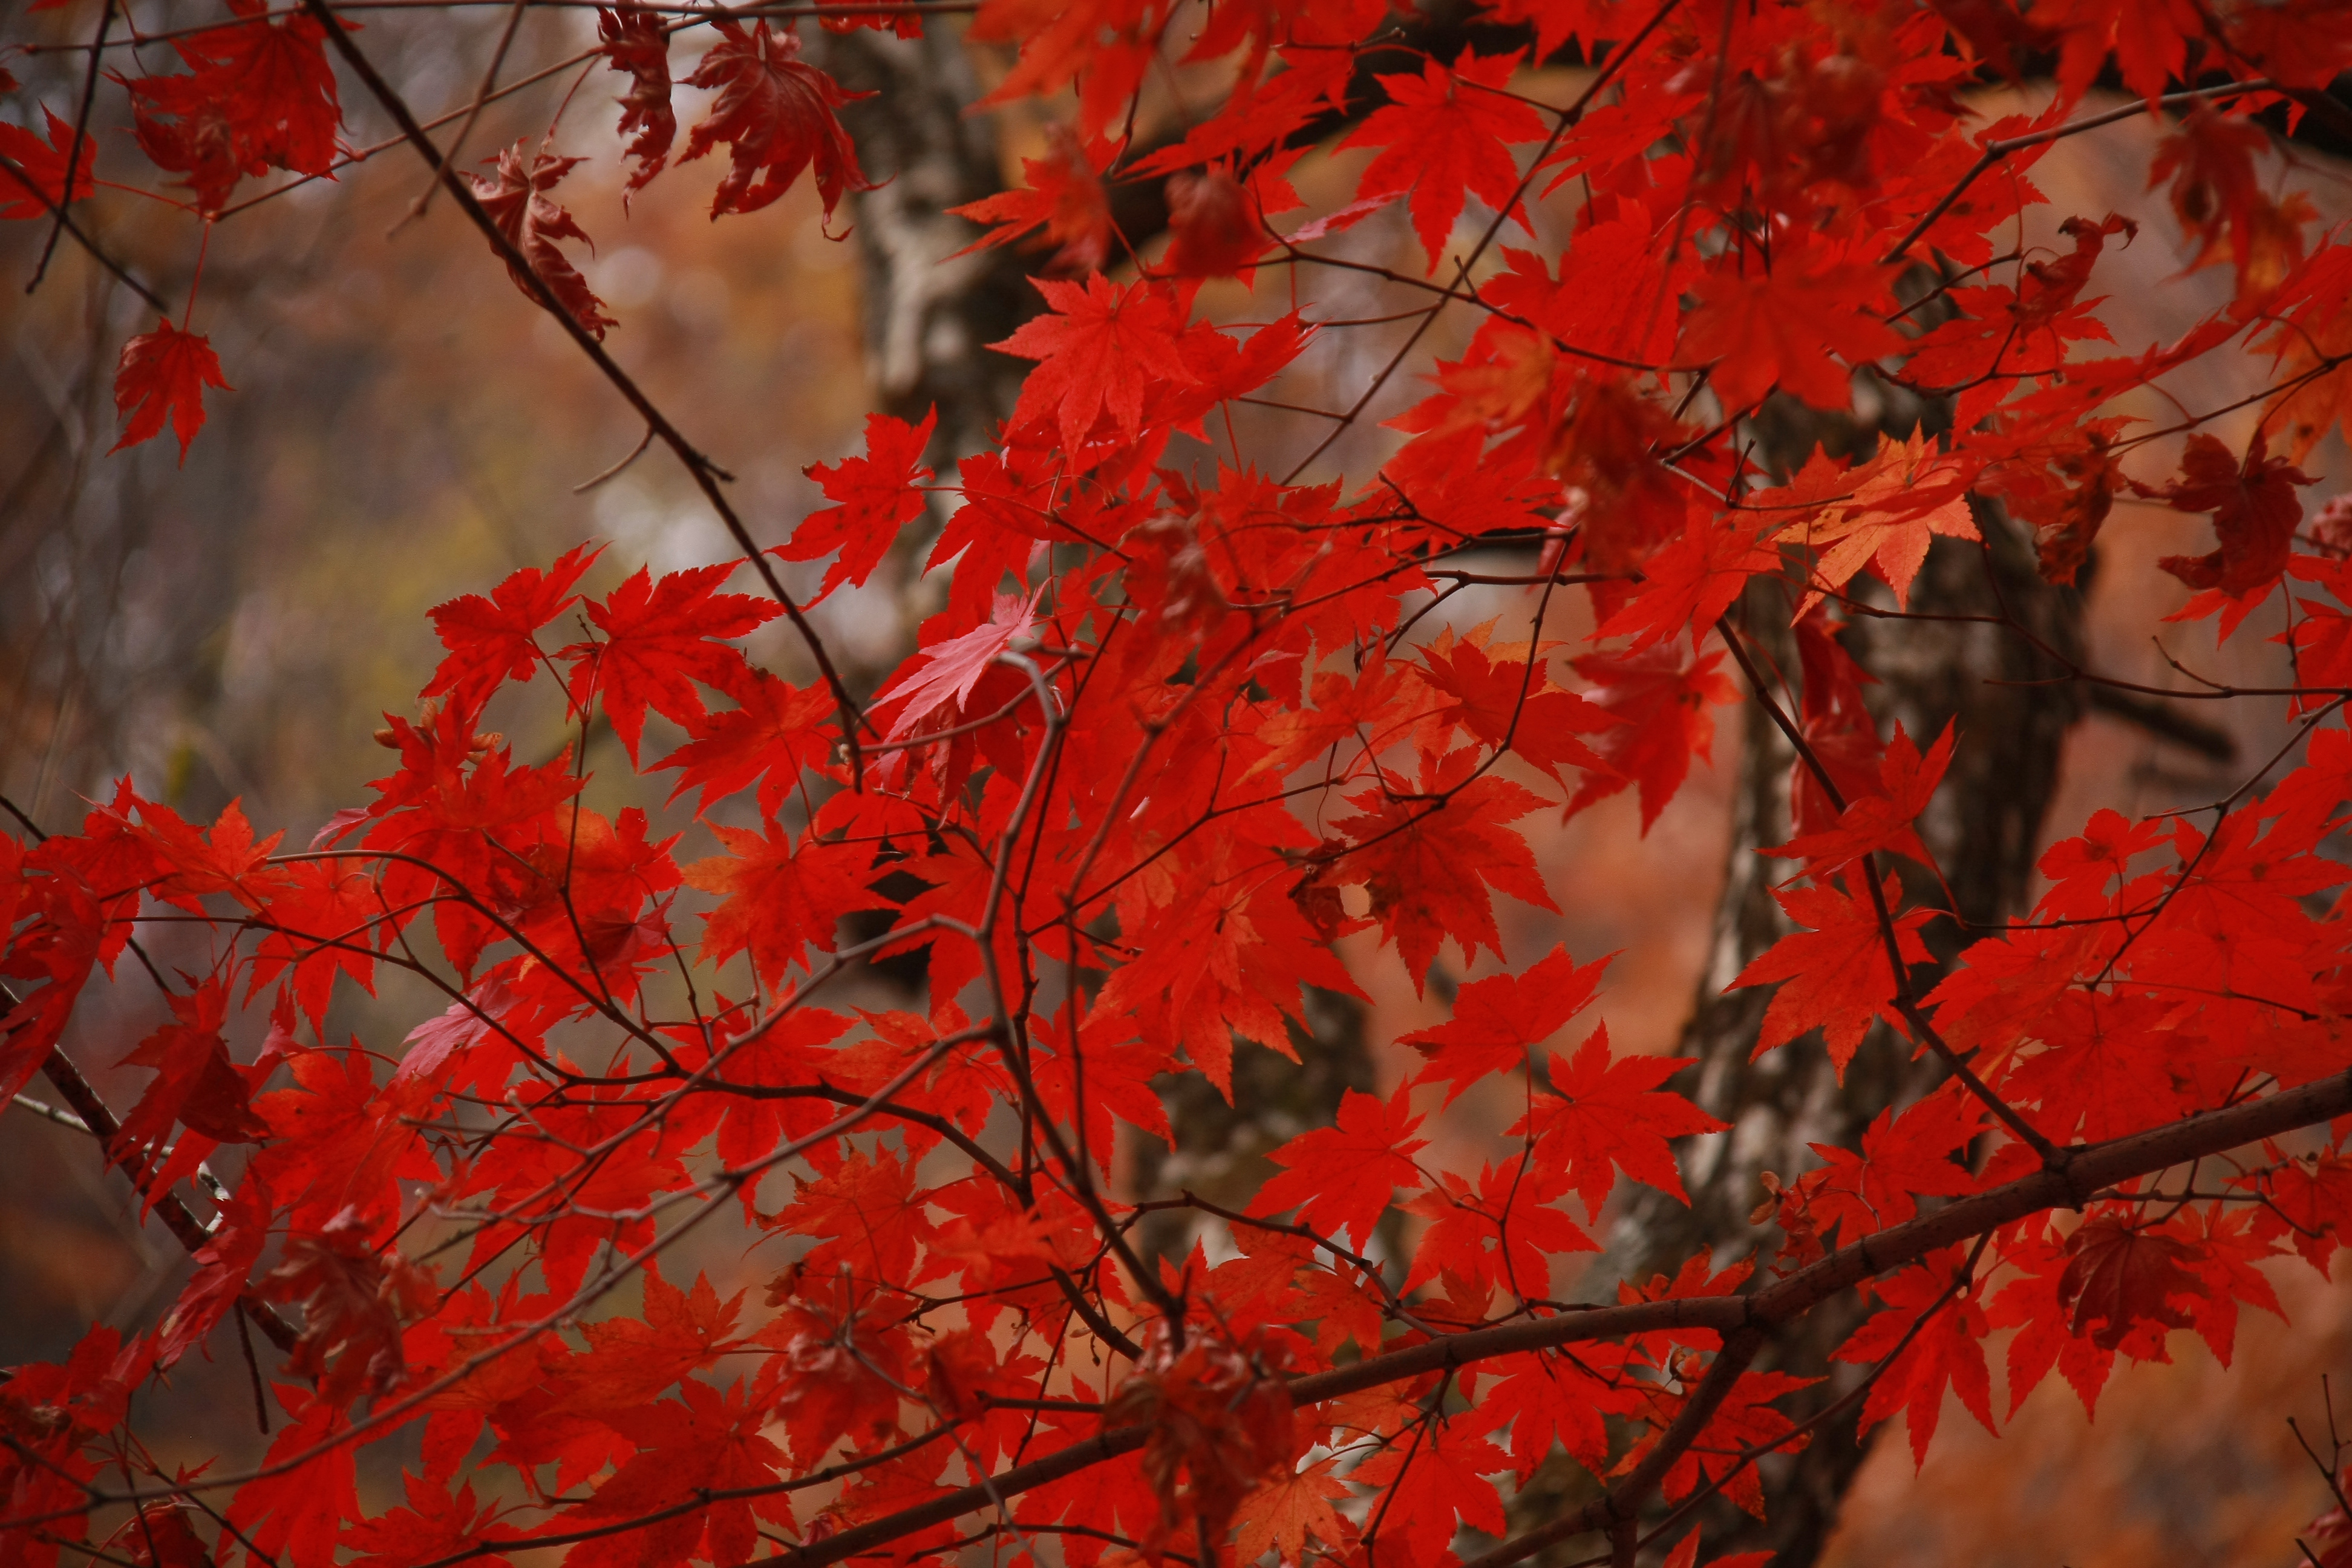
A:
929, 313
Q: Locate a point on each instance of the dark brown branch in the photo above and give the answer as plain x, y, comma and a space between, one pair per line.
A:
1742, 1319
705, 473
78, 1092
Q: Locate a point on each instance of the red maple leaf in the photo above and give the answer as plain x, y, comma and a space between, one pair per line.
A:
1428, 859
260, 95
2255, 512
1664, 699
1883, 818
1834, 976
1902, 1159
875, 496
637, 44
518, 202
355, 1298
1443, 135
1946, 1352
1756, 329
1503, 1231
292, 1510
1881, 513
492, 641
1432, 1481
772, 734
1102, 347
780, 899
1601, 1113
776, 114
944, 674
195, 1083
44, 164
163, 374
1497, 1021
1216, 224
1340, 1178
2124, 1277
2219, 199
659, 638
436, 1523
1063, 194
705, 1441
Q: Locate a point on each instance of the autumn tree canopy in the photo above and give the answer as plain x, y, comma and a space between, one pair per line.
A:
1187, 710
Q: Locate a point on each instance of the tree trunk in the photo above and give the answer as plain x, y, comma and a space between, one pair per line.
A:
1983, 828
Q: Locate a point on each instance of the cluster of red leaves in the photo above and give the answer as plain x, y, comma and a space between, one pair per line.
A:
1171, 734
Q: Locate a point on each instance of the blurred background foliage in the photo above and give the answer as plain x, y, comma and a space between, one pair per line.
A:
406, 428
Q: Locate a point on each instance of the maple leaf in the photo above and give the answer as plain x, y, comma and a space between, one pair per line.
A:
637, 44
1689, 583
260, 96
1757, 330
868, 1216
1497, 698
222, 1265
772, 734
1946, 1352
1284, 1513
1063, 192
1216, 224
436, 1523
1834, 975
706, 1441
492, 641
1429, 1483
37, 183
1902, 1159
518, 202
294, 1509
659, 638
781, 899
354, 1300
2255, 512
875, 496
2123, 1277
1888, 509
1340, 1178
160, 1536
776, 113
1883, 818
1428, 868
2220, 200
842, 1357
1503, 1231
1498, 1020
1442, 136
162, 374
1599, 1114
946, 672
195, 1082
1100, 347
1664, 699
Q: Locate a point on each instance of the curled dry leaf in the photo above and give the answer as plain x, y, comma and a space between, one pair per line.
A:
1221, 1427
637, 44
776, 113
517, 200
354, 1298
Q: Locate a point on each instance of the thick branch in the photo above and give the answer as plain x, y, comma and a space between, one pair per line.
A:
1742, 1317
